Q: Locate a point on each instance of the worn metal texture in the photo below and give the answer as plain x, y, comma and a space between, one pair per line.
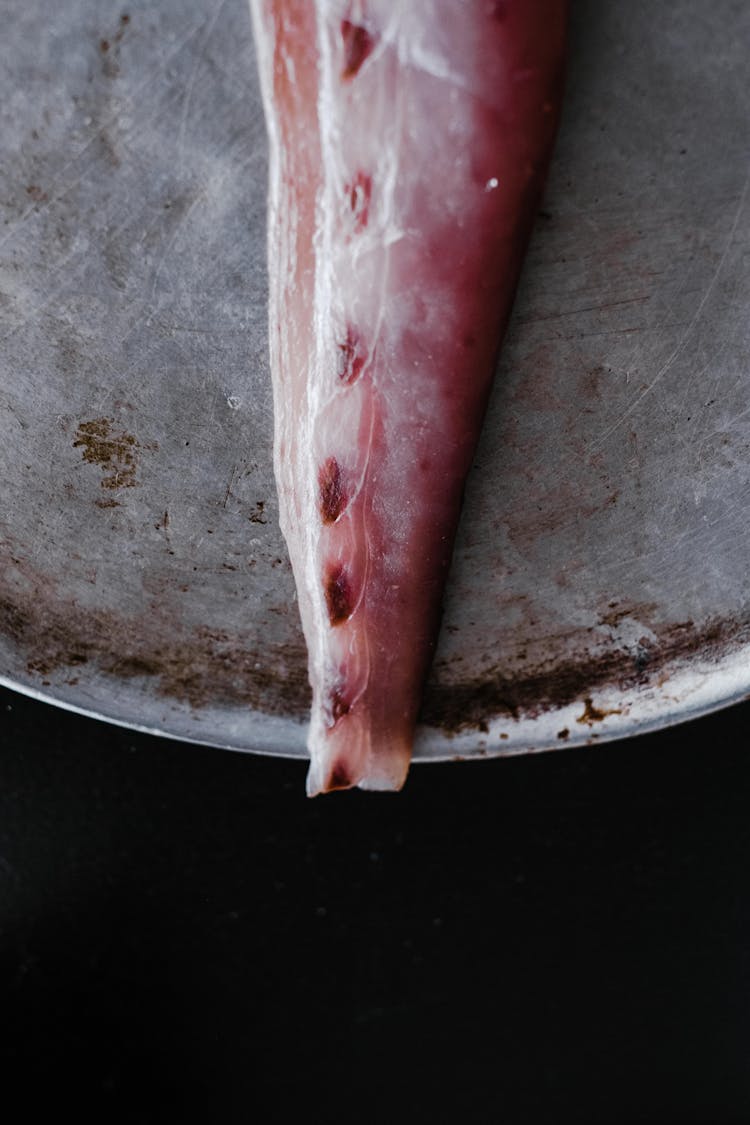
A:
600, 583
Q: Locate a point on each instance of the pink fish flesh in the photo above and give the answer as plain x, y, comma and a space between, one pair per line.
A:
408, 146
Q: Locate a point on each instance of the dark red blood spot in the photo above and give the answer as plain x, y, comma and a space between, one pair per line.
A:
352, 356
339, 706
124, 18
338, 593
358, 43
104, 46
332, 496
336, 707
358, 193
339, 777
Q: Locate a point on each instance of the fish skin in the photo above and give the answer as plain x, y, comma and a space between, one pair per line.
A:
409, 141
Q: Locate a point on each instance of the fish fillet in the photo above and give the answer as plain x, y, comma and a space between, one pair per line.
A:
408, 146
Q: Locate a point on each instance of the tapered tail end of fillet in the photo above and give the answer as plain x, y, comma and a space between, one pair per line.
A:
383, 772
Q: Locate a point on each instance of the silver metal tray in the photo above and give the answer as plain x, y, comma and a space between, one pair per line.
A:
601, 582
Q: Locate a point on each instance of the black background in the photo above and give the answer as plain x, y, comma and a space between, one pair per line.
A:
186, 937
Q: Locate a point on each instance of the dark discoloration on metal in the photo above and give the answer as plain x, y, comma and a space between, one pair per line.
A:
201, 666
115, 452
459, 706
593, 714
209, 666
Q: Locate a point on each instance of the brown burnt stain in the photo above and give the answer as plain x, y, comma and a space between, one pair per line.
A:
332, 498
464, 705
618, 611
115, 452
205, 667
202, 667
258, 514
592, 714
358, 44
563, 734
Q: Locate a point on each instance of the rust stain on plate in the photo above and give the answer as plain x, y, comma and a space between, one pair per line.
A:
115, 452
468, 704
206, 666
593, 714
198, 666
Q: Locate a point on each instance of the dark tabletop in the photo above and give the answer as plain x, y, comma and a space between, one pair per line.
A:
184, 936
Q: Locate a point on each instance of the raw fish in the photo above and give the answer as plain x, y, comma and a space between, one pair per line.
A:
409, 141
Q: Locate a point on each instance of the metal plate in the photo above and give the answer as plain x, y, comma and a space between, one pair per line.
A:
600, 584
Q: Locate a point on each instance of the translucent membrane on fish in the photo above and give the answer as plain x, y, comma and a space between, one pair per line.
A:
408, 145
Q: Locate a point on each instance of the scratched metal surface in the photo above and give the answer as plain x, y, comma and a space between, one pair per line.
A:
600, 584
